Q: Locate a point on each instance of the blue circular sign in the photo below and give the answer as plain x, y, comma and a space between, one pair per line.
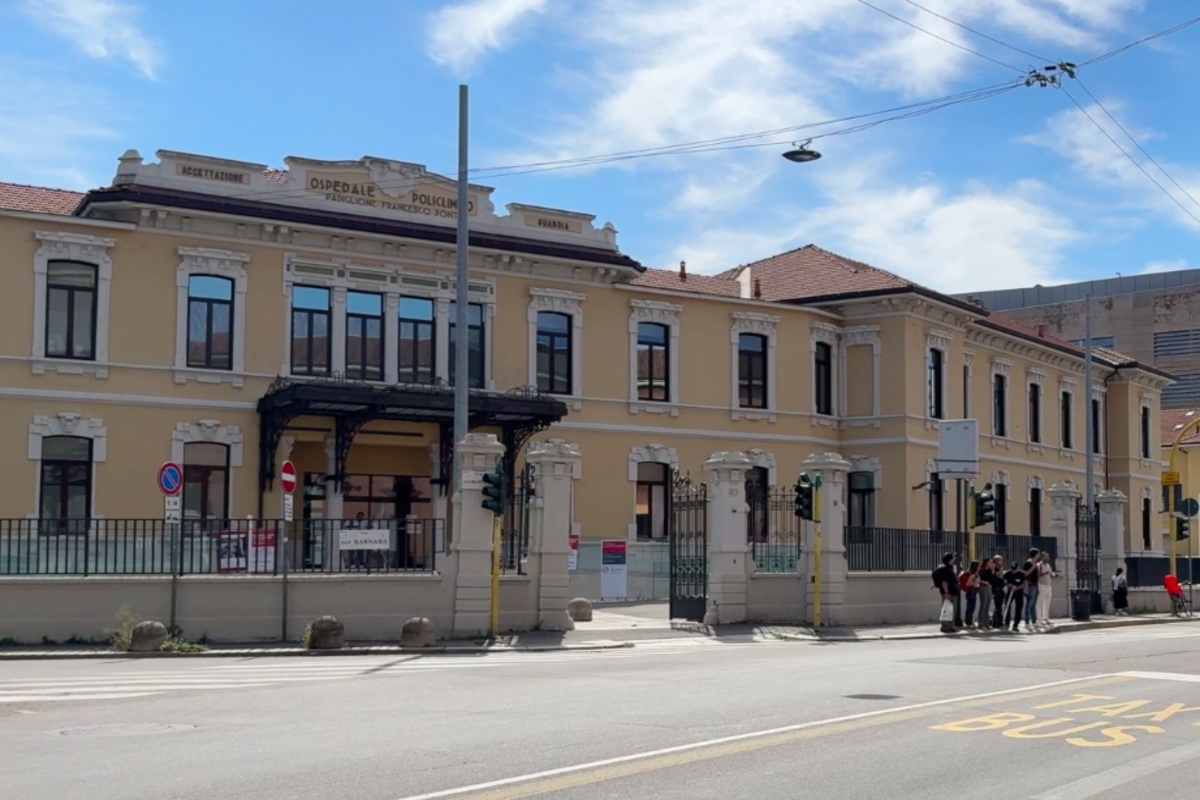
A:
170, 478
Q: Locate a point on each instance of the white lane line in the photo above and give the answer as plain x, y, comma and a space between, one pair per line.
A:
683, 748
1180, 677
1103, 782
40, 698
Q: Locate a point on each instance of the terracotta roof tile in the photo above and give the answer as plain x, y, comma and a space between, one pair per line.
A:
811, 272
1173, 420
698, 284
38, 199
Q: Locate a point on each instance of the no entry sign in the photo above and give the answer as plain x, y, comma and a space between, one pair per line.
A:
287, 477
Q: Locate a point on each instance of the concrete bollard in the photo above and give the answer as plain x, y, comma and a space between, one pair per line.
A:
327, 633
418, 632
580, 609
147, 637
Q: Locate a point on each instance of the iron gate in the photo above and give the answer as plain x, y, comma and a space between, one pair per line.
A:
1087, 552
687, 541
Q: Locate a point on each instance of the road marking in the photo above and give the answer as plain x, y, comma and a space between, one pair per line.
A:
1103, 782
621, 766
1180, 677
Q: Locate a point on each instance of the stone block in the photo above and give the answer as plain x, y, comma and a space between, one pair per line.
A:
580, 609
327, 633
418, 632
147, 637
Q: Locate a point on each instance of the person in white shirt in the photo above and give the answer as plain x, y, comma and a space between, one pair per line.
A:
1120, 595
1045, 589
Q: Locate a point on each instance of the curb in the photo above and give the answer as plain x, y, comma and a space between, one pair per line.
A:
935, 634
67, 655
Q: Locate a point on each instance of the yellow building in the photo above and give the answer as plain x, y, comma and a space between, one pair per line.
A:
227, 315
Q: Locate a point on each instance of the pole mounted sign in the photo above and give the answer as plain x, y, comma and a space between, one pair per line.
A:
287, 477
170, 479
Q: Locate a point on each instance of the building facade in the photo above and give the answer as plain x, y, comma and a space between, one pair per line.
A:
1151, 317
228, 316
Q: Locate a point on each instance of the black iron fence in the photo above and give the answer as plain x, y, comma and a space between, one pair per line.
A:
218, 547
1148, 572
514, 536
772, 528
905, 550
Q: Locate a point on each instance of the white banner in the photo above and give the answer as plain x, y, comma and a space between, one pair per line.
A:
365, 539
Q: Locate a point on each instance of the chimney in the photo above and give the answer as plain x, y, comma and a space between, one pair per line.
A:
1041, 329
683, 270
757, 289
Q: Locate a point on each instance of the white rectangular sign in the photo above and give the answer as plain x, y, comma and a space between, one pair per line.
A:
172, 508
364, 539
289, 507
958, 449
472, 479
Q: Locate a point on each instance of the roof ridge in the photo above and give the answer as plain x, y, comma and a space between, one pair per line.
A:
41, 188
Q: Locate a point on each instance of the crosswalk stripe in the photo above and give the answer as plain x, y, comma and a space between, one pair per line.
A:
44, 698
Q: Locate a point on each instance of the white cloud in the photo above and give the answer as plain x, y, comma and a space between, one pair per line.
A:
101, 28
461, 35
1172, 265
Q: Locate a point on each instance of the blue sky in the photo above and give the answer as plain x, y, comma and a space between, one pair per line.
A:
1009, 191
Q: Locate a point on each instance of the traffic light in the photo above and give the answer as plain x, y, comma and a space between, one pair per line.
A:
1181, 528
985, 506
494, 490
804, 497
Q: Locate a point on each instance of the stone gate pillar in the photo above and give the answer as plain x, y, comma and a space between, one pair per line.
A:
1063, 500
473, 536
728, 548
555, 462
1112, 533
832, 469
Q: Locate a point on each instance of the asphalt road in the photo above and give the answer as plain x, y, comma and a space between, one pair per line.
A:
1083, 716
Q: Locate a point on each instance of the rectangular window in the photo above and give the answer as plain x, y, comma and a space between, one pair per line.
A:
65, 491
1035, 512
1145, 432
1000, 492
937, 503
823, 377
862, 499
653, 362
1097, 427
416, 349
1035, 412
476, 355
364, 336
205, 481
752, 370
651, 509
1065, 421
210, 322
1146, 518
999, 405
937, 360
1176, 344
966, 392
71, 310
554, 355
311, 342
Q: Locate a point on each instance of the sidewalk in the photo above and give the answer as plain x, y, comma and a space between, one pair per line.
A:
931, 631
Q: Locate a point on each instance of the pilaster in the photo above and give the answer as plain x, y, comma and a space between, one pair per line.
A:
555, 463
832, 469
728, 551
477, 454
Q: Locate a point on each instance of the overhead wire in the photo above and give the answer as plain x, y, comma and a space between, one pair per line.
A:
950, 42
980, 34
1143, 40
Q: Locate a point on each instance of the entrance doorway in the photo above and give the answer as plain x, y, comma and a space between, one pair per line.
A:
371, 500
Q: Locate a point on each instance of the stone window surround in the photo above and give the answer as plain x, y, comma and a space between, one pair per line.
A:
937, 339
1146, 401
664, 314
1035, 376
823, 332
764, 460
870, 464
339, 286
1068, 385
223, 264
969, 367
1000, 366
66, 423
764, 325
648, 454
1099, 392
1036, 482
855, 336
210, 431
567, 302
62, 246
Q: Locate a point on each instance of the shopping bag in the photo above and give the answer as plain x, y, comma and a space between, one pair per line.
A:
947, 614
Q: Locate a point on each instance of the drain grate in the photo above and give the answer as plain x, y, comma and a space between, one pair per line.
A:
127, 729
871, 696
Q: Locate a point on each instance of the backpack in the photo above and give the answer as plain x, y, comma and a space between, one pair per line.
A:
963, 580
936, 575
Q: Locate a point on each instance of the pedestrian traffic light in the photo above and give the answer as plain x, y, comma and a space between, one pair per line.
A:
1181, 528
985, 506
804, 497
494, 490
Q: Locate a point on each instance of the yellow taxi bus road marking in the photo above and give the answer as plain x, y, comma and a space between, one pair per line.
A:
636, 763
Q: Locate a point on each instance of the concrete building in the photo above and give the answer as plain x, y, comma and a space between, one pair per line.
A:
228, 315
1152, 318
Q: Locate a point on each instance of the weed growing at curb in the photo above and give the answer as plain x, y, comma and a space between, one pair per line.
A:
119, 638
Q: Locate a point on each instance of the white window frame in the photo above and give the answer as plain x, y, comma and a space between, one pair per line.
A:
764, 460
1003, 367
223, 264
648, 454
62, 246
1068, 385
764, 325
1035, 376
1146, 402
341, 277
824, 333
566, 302
211, 431
660, 313
1099, 393
940, 340
66, 423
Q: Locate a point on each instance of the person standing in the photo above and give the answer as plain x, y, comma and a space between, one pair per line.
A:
968, 582
1120, 593
999, 592
1032, 589
1045, 594
985, 595
945, 580
1015, 579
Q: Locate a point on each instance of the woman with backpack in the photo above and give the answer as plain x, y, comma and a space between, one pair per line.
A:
968, 582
